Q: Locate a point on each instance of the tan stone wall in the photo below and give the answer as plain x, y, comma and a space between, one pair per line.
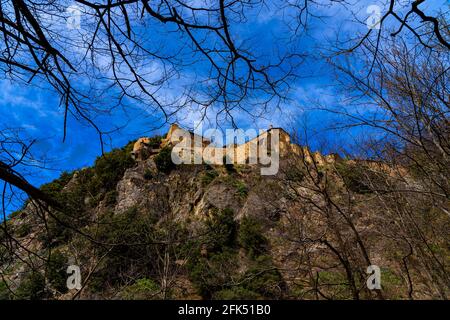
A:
140, 143
240, 154
139, 148
173, 138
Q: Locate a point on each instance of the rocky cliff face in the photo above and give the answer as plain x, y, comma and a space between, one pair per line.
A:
148, 229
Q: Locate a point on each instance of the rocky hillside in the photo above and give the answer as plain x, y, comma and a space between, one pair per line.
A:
153, 230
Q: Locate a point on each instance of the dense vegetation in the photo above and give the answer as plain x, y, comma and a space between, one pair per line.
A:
299, 235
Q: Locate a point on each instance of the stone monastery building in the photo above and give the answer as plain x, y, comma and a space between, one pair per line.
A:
273, 140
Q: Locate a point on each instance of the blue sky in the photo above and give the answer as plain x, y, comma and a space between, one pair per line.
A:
35, 108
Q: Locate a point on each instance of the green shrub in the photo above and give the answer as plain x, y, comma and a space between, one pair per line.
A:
75, 214
111, 198
216, 272
142, 289
56, 186
97, 183
5, 294
391, 282
355, 177
136, 243
148, 175
56, 233
16, 214
222, 230
128, 225
23, 230
213, 274
215, 277
163, 160
336, 283
251, 236
295, 173
241, 189
56, 271
125, 231
61, 225
264, 278
155, 142
110, 168
236, 293
32, 287
208, 176
73, 198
